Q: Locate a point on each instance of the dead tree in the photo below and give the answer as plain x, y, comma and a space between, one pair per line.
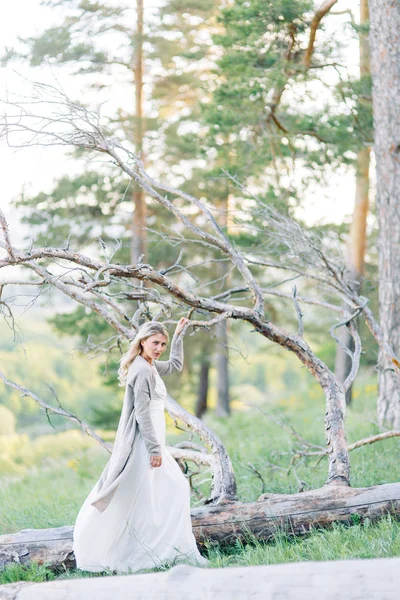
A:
105, 286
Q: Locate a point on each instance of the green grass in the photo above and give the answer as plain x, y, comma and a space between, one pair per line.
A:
33, 572
49, 498
52, 497
367, 540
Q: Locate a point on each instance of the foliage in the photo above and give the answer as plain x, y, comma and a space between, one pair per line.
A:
62, 371
7, 421
19, 454
292, 127
98, 203
100, 39
201, 64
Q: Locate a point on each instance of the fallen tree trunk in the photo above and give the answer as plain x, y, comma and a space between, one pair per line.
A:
294, 514
370, 579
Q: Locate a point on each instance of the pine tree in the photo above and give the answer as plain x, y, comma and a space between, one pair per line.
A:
162, 60
358, 228
385, 68
260, 126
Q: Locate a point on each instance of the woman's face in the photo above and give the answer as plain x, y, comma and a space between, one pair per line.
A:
155, 345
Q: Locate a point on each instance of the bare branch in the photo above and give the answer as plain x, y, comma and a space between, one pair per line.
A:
355, 356
298, 312
57, 411
81, 299
4, 228
257, 473
311, 301
374, 438
302, 272
82, 129
221, 242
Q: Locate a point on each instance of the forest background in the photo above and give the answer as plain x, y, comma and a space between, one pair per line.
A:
199, 62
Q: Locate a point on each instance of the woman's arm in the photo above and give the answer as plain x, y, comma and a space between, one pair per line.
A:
141, 386
175, 362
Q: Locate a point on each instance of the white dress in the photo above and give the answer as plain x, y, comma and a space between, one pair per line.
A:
147, 523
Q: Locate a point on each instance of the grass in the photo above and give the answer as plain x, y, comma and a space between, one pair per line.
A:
367, 540
52, 497
32, 572
49, 497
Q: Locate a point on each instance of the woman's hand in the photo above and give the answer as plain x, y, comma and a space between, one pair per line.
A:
155, 461
181, 324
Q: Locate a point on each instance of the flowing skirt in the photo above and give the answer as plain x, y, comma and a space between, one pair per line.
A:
147, 523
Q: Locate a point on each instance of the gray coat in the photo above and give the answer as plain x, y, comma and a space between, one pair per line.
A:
135, 415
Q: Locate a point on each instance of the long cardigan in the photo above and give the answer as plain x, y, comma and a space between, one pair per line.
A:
135, 416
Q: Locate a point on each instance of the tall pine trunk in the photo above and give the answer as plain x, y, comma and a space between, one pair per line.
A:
222, 364
385, 66
358, 229
222, 356
202, 394
138, 244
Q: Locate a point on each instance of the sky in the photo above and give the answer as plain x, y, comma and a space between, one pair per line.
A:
30, 168
34, 169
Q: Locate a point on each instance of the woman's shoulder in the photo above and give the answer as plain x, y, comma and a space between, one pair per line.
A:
140, 368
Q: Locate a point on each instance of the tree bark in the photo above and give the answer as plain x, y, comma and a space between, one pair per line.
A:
293, 514
202, 395
139, 237
385, 66
222, 355
358, 229
343, 360
223, 396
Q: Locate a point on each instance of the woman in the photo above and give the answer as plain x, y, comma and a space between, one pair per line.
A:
137, 516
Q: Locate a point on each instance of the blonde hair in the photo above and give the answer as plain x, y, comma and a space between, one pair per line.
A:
145, 331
